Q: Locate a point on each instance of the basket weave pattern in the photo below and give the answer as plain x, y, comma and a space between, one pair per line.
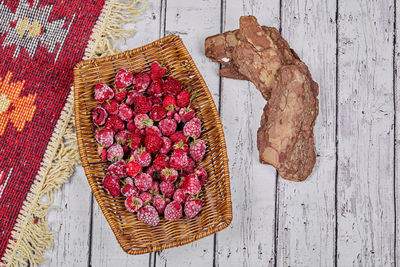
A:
134, 236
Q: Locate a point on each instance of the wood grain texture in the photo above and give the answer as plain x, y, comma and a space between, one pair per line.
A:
365, 134
306, 212
396, 102
249, 240
193, 21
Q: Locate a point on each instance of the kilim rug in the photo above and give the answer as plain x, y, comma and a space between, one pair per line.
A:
40, 43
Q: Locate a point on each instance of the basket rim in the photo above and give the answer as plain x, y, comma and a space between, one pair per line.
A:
86, 165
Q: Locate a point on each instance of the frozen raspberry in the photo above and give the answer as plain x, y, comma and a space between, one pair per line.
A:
111, 107
193, 207
123, 79
127, 151
172, 86
133, 168
168, 175
142, 104
186, 114
99, 116
129, 190
201, 174
130, 126
167, 145
169, 102
142, 157
146, 197
155, 88
178, 136
142, 120
171, 114
111, 185
133, 204
149, 215
167, 126
159, 203
156, 71
192, 128
153, 143
178, 160
180, 196
197, 150
151, 171
105, 137
141, 81
190, 166
120, 95
173, 211
115, 152
160, 162
191, 184
181, 146
155, 187
132, 94
155, 100
143, 182
158, 113
102, 153
167, 189
125, 112
117, 169
115, 123
102, 92
123, 137
177, 118
183, 99
136, 141
153, 130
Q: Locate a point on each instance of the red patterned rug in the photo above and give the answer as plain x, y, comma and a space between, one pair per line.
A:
40, 43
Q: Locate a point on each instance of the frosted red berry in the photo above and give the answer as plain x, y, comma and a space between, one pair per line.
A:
125, 112
129, 190
183, 99
115, 123
180, 196
167, 126
111, 185
99, 116
117, 169
143, 181
172, 86
123, 137
168, 175
160, 162
123, 79
178, 136
167, 189
189, 167
111, 107
178, 160
133, 204
193, 207
186, 114
153, 143
159, 204
120, 96
197, 150
158, 113
132, 94
191, 184
115, 152
146, 197
156, 71
102, 92
155, 88
105, 137
142, 104
149, 215
173, 211
143, 120
141, 81
142, 157
167, 145
133, 168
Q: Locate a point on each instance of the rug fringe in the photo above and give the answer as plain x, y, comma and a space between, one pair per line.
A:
31, 236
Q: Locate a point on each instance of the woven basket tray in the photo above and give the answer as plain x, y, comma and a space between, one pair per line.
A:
134, 236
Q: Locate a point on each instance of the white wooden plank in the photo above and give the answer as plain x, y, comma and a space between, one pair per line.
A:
193, 21
105, 248
365, 134
306, 228
397, 143
69, 220
249, 240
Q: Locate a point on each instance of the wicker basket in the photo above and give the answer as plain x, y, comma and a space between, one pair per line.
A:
134, 236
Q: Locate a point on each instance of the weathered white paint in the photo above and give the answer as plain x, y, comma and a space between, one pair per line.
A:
249, 240
306, 235
397, 144
365, 134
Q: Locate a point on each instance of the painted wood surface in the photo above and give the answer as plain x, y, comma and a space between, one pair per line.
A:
344, 214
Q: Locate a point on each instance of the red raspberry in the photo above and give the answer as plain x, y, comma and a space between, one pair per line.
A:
125, 112
197, 150
123, 137
178, 160
152, 130
130, 126
141, 81
169, 102
142, 120
142, 157
99, 116
115, 123
177, 118
123, 79
102, 153
111, 107
127, 151
133, 204
160, 162
155, 187
120, 95
142, 105
133, 168
191, 184
102, 92
181, 146
169, 175
172, 86
201, 174
115, 152
155, 88
129, 190
143, 182
183, 99
178, 136
159, 203
186, 114
180, 196
193, 128
158, 113
117, 169
151, 171
173, 211
156, 100
105, 137
171, 114
136, 141
189, 168
193, 207
167, 189
167, 126
153, 143
146, 197
149, 215
132, 94
167, 144
156, 71
111, 185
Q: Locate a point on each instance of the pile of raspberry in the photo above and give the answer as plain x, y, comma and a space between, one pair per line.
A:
149, 131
